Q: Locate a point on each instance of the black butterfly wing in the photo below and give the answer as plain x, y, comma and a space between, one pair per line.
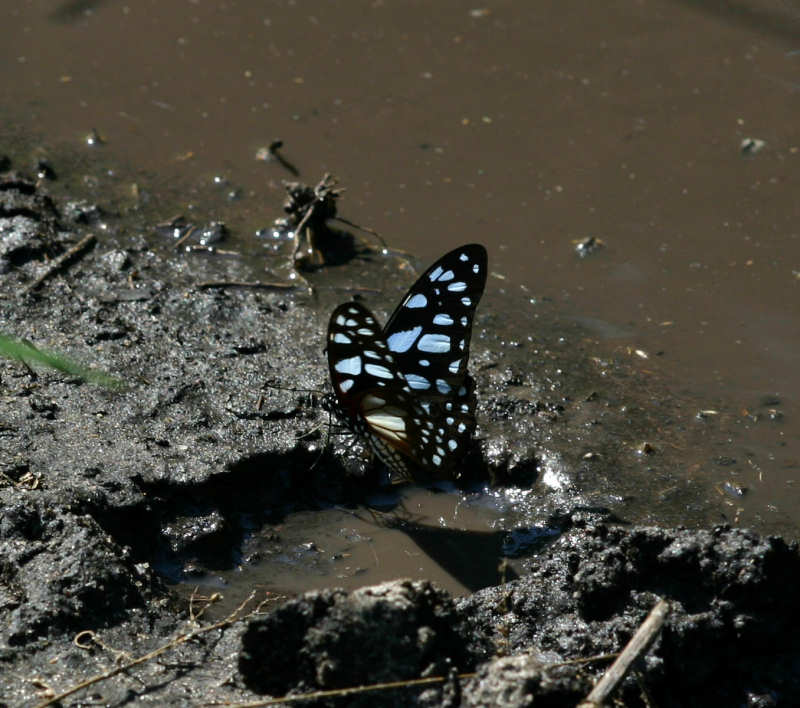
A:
372, 396
429, 335
429, 332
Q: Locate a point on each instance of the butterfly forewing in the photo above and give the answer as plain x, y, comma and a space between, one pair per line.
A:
429, 332
405, 388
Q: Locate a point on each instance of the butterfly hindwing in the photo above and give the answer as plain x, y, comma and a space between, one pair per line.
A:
405, 388
372, 396
358, 356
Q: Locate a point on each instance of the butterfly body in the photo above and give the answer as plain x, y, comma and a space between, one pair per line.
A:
405, 387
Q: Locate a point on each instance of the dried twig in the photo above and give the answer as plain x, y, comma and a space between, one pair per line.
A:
172, 644
408, 683
352, 289
367, 230
213, 250
56, 264
637, 646
207, 600
340, 692
27, 481
183, 239
245, 284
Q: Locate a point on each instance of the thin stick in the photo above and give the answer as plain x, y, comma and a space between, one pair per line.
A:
245, 284
186, 236
213, 250
407, 683
351, 289
365, 229
177, 641
299, 228
341, 692
56, 264
637, 646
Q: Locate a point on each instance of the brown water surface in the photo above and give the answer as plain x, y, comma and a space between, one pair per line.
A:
524, 126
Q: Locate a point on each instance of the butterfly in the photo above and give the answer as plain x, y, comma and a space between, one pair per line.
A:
404, 388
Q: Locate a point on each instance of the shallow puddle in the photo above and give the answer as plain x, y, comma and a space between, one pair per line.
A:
463, 541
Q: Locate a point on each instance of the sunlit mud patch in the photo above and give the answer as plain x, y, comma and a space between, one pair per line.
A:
464, 541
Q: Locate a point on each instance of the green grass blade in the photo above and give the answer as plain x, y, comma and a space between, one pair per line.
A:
28, 354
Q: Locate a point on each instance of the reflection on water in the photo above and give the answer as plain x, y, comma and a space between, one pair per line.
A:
456, 539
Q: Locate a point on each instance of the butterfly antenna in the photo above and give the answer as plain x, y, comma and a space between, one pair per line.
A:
309, 432
291, 389
366, 230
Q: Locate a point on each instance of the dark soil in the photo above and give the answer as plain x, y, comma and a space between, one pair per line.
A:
107, 496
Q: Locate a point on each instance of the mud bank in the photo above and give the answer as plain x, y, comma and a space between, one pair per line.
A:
109, 496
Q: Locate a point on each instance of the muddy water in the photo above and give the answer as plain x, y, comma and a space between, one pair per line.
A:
456, 540
524, 126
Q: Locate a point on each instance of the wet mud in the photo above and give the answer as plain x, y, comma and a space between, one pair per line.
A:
116, 502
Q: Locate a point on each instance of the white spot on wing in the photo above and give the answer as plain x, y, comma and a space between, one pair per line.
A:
350, 366
435, 273
434, 343
420, 383
461, 427
466, 301
390, 419
345, 385
447, 275
342, 338
415, 301
442, 319
377, 370
403, 341
476, 269
463, 257
458, 287
424, 362
452, 444
453, 368
442, 386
